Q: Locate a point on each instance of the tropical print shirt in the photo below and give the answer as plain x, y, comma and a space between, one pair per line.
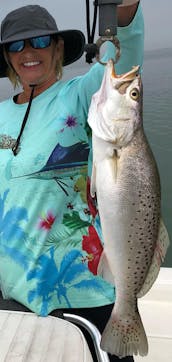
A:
50, 236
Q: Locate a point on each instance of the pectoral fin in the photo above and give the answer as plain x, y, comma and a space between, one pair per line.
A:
158, 257
104, 269
93, 181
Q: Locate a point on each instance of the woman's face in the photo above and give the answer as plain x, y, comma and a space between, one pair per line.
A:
37, 66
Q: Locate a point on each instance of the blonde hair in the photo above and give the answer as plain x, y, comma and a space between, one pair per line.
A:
13, 76
10, 72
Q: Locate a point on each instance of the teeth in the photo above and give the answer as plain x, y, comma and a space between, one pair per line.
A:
30, 64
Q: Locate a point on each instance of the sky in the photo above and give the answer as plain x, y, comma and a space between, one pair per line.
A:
71, 14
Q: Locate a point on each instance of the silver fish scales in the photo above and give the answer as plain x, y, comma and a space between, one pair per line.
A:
126, 181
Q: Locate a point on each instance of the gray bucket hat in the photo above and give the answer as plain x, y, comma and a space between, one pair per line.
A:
31, 21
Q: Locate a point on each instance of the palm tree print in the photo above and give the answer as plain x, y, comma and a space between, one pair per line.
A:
52, 280
9, 221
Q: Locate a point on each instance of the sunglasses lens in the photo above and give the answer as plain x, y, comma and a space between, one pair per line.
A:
41, 42
16, 46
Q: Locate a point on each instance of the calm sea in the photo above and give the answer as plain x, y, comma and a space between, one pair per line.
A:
157, 80
158, 125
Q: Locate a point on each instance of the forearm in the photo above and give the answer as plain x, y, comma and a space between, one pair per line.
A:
131, 39
126, 12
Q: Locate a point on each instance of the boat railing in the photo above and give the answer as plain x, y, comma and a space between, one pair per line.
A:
93, 331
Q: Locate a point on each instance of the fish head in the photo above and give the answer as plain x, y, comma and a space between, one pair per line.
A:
116, 109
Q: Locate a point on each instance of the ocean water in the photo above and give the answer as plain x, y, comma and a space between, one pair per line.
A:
157, 82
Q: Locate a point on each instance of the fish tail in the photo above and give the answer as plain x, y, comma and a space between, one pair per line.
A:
124, 335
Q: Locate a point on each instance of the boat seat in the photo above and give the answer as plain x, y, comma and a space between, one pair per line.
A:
26, 337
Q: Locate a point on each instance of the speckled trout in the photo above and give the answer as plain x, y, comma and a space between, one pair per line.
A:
126, 182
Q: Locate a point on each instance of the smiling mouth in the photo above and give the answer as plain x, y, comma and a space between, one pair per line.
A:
31, 64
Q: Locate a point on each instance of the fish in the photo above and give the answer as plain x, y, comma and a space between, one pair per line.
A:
126, 183
63, 162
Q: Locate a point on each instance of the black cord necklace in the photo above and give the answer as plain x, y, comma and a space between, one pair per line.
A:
15, 147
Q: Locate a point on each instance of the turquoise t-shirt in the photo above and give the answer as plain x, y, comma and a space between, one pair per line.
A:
50, 239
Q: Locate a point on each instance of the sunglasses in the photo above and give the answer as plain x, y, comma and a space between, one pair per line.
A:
39, 42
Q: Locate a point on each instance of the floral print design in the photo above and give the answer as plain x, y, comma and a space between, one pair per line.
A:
52, 281
47, 221
58, 254
70, 122
92, 245
73, 129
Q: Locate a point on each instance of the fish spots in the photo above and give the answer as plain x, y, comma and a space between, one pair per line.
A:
128, 328
140, 243
130, 224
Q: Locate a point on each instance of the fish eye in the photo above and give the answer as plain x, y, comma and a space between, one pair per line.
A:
134, 94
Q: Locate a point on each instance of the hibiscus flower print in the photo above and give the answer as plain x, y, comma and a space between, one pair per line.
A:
47, 221
92, 245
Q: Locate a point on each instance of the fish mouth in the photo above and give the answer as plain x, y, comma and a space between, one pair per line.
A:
129, 76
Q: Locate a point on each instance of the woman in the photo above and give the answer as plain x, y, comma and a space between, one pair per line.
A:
50, 247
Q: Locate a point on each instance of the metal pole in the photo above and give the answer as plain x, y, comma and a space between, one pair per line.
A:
93, 331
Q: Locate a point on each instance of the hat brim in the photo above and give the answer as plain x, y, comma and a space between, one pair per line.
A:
74, 43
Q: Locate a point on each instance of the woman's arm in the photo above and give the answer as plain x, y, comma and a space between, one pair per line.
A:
131, 39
